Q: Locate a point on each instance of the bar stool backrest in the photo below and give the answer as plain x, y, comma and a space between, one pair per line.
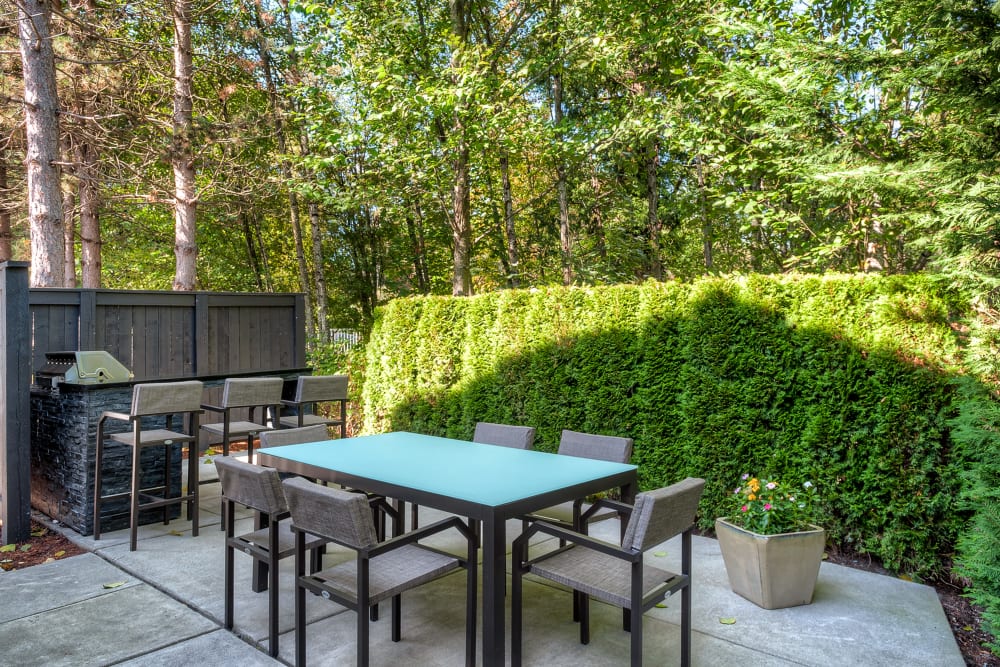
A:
158, 398
251, 392
318, 388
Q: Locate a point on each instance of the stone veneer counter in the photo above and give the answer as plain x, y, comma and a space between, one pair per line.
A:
63, 450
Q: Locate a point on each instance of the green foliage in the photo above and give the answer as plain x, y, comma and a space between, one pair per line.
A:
976, 431
843, 381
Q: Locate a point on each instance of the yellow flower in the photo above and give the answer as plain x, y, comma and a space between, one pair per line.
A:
751, 497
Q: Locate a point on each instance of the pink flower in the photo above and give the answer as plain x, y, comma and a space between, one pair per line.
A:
767, 506
743, 509
746, 475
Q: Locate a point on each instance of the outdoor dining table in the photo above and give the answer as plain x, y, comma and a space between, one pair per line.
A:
483, 482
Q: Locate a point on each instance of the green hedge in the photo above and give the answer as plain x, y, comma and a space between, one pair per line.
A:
847, 381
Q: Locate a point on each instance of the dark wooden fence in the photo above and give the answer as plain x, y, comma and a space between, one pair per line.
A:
161, 335
156, 335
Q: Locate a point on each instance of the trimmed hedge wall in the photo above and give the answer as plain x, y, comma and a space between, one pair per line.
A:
843, 380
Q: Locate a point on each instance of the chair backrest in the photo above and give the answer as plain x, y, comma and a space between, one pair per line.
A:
601, 447
158, 398
256, 487
505, 435
313, 388
659, 515
294, 436
251, 392
341, 516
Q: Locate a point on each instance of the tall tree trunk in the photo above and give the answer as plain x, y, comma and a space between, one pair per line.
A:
461, 223
69, 225
319, 276
90, 222
286, 168
5, 231
565, 241
41, 114
654, 225
706, 224
418, 251
597, 217
85, 154
513, 260
182, 152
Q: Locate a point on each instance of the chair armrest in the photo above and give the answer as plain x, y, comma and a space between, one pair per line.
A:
622, 508
116, 415
420, 533
292, 404
213, 408
573, 537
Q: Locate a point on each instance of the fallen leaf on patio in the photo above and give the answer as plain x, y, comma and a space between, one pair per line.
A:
659, 554
727, 620
176, 533
60, 553
25, 547
50, 559
8, 547
114, 584
825, 556
661, 605
208, 460
906, 577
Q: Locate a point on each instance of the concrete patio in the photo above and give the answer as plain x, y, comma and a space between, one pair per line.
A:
163, 605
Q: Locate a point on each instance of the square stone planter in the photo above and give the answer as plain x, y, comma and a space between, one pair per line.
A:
772, 571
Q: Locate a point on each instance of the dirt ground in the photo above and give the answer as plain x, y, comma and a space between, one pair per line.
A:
46, 545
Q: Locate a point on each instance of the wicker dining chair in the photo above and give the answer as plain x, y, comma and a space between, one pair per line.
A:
616, 574
318, 433
589, 446
504, 435
380, 571
259, 489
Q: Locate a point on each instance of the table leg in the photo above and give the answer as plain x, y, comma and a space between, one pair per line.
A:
494, 583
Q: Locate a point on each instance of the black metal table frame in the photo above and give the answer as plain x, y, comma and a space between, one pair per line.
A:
493, 518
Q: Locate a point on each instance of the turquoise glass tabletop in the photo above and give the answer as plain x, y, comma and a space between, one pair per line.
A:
474, 472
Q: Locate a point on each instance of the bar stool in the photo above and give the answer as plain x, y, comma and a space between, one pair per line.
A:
313, 389
250, 393
157, 399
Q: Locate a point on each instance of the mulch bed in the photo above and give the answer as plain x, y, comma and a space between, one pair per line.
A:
45, 545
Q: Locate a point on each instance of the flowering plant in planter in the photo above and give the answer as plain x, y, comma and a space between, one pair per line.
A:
769, 507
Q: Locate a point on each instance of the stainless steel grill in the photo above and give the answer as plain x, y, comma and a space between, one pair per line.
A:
80, 367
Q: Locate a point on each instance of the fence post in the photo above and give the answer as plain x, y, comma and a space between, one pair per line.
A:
15, 418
